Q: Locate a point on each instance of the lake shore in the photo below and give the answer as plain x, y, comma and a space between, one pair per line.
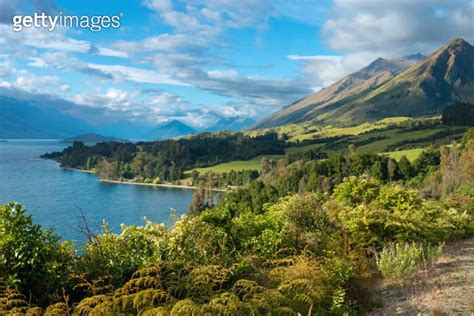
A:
164, 185
79, 170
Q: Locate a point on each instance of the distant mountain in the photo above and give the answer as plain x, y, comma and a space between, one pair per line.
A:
24, 119
407, 86
171, 129
234, 123
93, 138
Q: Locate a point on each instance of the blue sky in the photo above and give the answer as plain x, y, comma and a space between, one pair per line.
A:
198, 61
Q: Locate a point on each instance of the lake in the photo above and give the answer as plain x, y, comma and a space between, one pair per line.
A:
56, 197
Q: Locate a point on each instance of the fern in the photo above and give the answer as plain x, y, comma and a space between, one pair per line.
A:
186, 307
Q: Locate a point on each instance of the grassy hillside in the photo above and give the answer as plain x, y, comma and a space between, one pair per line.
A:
395, 137
310, 130
238, 165
425, 88
411, 154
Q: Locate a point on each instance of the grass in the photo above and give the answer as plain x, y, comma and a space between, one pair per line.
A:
373, 137
411, 154
309, 130
238, 165
353, 130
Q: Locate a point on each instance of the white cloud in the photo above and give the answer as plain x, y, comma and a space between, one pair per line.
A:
6, 68
104, 51
64, 61
164, 43
136, 74
395, 28
322, 70
26, 81
233, 110
39, 38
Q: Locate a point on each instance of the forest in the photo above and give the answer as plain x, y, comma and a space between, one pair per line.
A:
165, 160
302, 237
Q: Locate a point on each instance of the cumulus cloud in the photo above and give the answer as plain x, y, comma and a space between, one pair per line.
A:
395, 28
322, 70
29, 82
210, 18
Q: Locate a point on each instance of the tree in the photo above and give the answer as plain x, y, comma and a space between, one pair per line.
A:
449, 167
466, 164
105, 169
392, 169
468, 135
458, 114
405, 167
32, 260
377, 170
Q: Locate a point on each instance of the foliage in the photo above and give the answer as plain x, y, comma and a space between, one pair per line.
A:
167, 159
32, 260
303, 238
458, 113
117, 256
398, 261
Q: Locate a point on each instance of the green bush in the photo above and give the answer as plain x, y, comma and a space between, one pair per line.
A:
32, 260
399, 261
117, 256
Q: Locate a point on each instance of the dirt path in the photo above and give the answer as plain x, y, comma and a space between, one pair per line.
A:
447, 288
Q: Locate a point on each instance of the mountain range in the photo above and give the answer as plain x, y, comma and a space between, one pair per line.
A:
409, 86
26, 119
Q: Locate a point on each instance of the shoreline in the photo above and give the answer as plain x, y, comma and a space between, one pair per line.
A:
79, 170
163, 185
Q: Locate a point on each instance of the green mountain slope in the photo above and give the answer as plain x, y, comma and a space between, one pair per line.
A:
384, 90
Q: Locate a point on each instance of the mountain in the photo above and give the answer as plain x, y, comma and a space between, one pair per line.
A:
378, 91
348, 88
93, 138
171, 129
234, 123
24, 119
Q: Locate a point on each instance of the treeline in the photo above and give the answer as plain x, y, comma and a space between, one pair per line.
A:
166, 160
459, 113
282, 245
279, 178
312, 170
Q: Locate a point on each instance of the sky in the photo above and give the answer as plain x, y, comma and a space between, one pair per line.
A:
198, 61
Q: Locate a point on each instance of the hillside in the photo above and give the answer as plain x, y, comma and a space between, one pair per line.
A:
93, 138
388, 88
169, 130
28, 119
23, 119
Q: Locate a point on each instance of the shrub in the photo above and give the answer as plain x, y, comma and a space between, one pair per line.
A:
400, 260
32, 260
357, 190
119, 255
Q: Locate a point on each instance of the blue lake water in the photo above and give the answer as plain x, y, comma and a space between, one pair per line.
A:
55, 196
